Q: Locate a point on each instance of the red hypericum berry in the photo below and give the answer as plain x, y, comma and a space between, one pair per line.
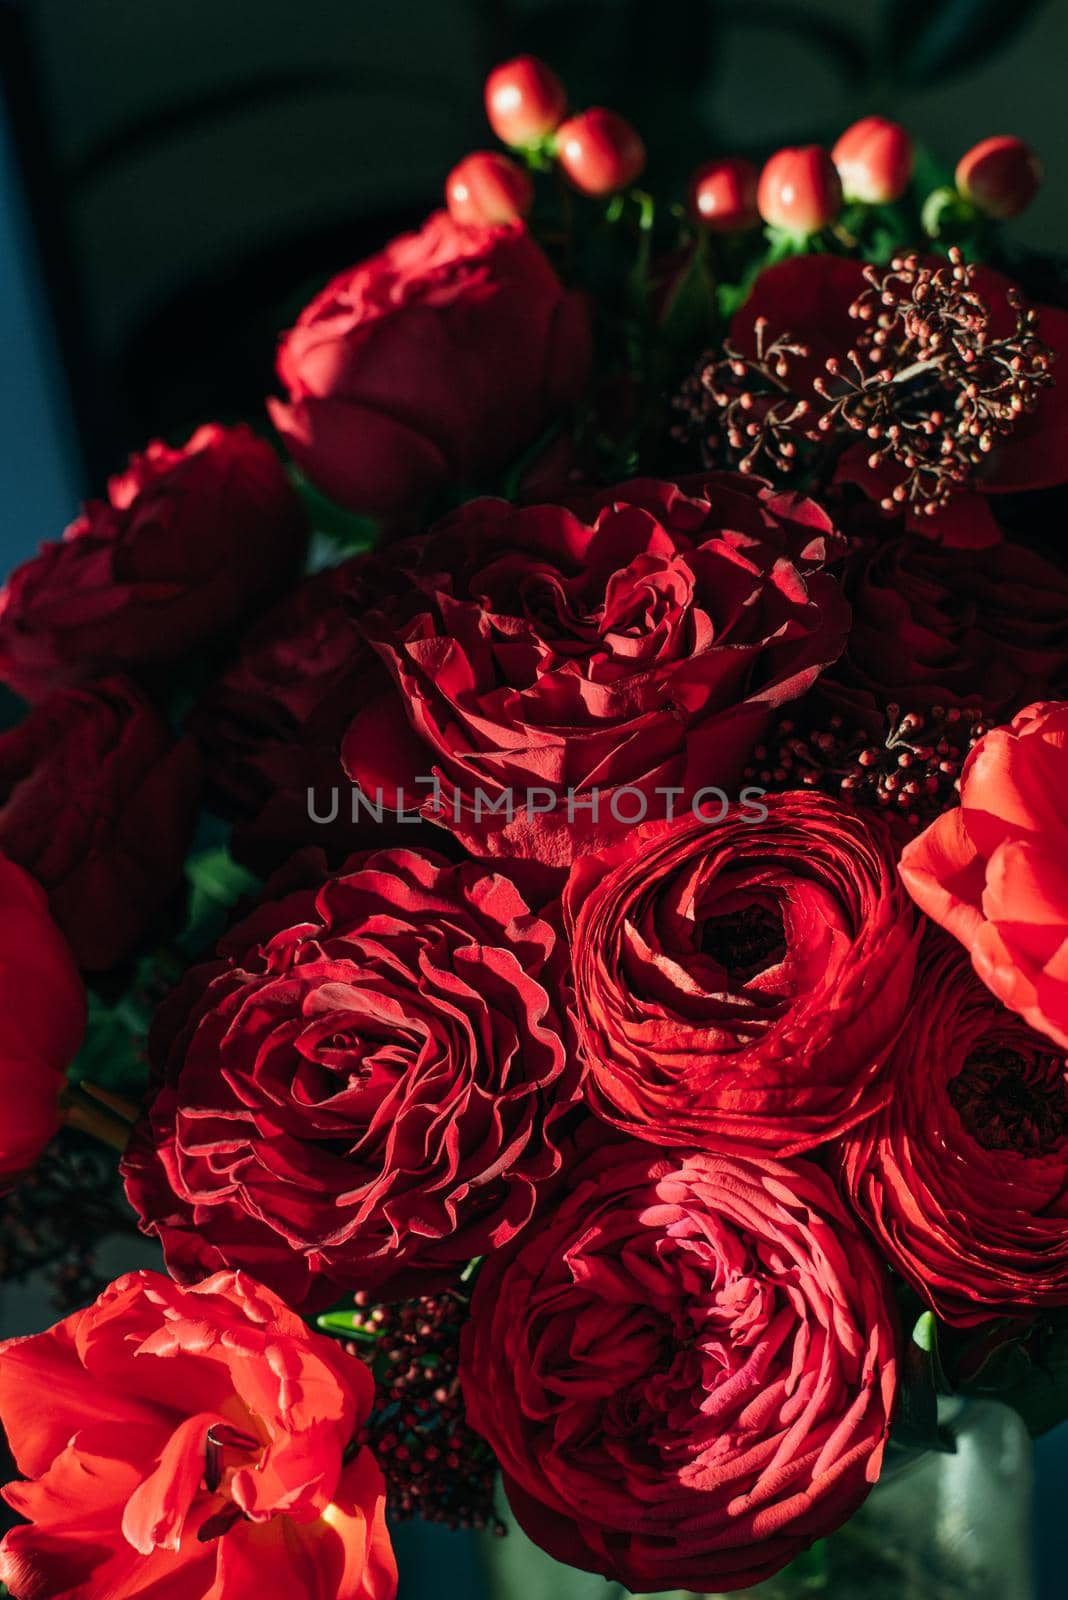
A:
525, 101
1000, 176
800, 190
486, 187
874, 161
723, 195
600, 151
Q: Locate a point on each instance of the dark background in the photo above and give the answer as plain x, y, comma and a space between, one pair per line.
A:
177, 175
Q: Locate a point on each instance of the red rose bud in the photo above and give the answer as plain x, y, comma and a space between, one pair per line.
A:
1000, 176
525, 100
723, 195
600, 151
800, 190
486, 188
874, 161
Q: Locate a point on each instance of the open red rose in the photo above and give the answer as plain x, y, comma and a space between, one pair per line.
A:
194, 1443
42, 1007
564, 670
98, 801
741, 980
962, 1177
993, 871
808, 300
365, 1091
188, 542
687, 1370
436, 361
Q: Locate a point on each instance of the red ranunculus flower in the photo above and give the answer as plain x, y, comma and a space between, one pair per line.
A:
808, 299
741, 980
962, 1177
586, 666
436, 361
98, 801
42, 1004
687, 1370
187, 543
190, 1444
365, 1090
932, 629
993, 871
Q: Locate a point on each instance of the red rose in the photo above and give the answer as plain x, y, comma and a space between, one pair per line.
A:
365, 1090
993, 871
190, 1442
42, 1006
962, 1177
436, 361
588, 666
687, 1370
187, 543
742, 980
99, 802
930, 629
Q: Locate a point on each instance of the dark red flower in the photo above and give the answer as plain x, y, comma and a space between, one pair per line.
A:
962, 1177
564, 670
190, 1442
98, 801
687, 1370
743, 979
436, 361
366, 1090
187, 544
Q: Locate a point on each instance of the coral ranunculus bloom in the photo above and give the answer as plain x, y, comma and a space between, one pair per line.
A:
190, 1444
994, 871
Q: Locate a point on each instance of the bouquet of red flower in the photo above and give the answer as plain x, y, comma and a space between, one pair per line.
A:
558, 895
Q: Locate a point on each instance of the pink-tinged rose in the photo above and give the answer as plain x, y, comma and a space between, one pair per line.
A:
687, 1369
436, 361
188, 543
196, 1443
994, 871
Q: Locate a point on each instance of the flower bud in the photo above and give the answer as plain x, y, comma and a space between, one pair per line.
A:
486, 188
800, 190
600, 151
1000, 176
524, 100
874, 161
723, 195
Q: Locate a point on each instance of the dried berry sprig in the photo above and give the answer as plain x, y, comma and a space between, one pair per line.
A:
745, 404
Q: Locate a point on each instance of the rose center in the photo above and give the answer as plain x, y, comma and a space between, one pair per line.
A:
1011, 1101
745, 942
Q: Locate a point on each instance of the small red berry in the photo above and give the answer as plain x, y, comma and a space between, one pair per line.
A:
723, 195
525, 100
800, 190
487, 187
1000, 176
874, 160
600, 151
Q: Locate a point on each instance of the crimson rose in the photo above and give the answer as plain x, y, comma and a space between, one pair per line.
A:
686, 1370
42, 1014
962, 1177
741, 980
547, 658
193, 1443
187, 543
365, 1090
437, 360
99, 802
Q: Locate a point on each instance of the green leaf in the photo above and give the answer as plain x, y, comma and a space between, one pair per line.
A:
916, 1422
347, 532
338, 1322
927, 41
690, 316
216, 883
113, 1050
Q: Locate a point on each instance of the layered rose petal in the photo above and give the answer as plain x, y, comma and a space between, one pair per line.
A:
963, 1176
687, 1372
368, 1089
190, 1442
742, 979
